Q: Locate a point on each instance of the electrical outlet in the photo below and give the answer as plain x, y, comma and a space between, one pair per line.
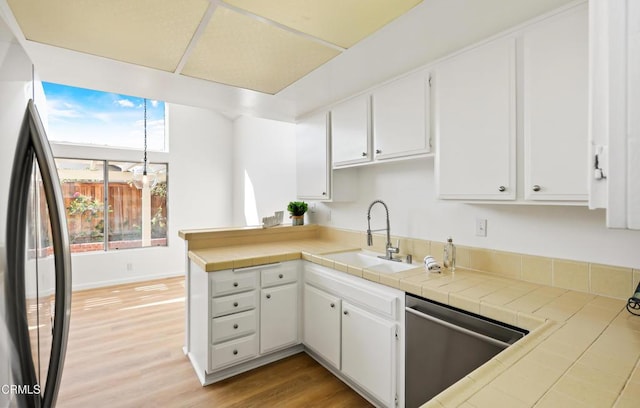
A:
312, 208
129, 266
481, 227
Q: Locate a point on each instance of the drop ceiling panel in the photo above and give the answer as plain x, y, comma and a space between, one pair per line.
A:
340, 22
152, 33
241, 51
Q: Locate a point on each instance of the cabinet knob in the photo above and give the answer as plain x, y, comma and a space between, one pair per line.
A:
235, 284
324, 193
281, 276
268, 296
502, 189
333, 305
378, 151
536, 188
364, 154
235, 304
235, 326
235, 352
346, 313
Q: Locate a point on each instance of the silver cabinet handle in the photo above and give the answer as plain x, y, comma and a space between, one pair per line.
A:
502, 189
281, 276
364, 154
324, 193
346, 313
268, 296
378, 151
235, 352
235, 304
333, 305
536, 188
235, 284
235, 326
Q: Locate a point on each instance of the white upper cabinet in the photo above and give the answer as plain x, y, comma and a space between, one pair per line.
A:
400, 116
350, 132
313, 170
528, 89
475, 123
555, 108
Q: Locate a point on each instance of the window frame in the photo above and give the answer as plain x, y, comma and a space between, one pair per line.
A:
105, 175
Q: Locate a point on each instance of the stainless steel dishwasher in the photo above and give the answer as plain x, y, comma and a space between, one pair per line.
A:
444, 344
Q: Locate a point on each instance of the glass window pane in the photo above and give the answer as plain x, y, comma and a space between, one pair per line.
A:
89, 117
83, 191
138, 216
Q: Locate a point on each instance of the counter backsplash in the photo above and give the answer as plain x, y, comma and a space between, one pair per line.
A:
605, 280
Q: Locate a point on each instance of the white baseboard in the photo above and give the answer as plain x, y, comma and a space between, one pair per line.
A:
113, 282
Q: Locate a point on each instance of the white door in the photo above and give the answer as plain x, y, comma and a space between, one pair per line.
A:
400, 116
322, 324
278, 317
555, 106
369, 349
350, 141
312, 158
476, 123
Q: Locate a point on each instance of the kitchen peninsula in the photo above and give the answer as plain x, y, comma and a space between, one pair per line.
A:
582, 350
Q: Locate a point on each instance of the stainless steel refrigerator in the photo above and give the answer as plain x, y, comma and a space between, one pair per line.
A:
35, 263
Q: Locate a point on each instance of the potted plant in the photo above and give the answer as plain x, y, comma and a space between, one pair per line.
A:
297, 210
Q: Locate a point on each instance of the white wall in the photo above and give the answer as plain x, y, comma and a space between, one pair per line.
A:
199, 189
408, 189
264, 167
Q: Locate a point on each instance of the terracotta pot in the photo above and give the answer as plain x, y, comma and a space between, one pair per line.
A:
297, 220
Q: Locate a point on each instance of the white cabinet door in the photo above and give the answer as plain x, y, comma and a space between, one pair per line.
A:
369, 349
350, 139
278, 317
312, 158
555, 106
476, 123
400, 116
322, 324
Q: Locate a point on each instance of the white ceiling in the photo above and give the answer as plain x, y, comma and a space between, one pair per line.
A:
432, 29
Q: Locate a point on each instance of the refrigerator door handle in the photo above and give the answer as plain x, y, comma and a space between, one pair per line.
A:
33, 142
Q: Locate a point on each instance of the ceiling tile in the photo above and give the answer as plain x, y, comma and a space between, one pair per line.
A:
340, 22
238, 50
152, 33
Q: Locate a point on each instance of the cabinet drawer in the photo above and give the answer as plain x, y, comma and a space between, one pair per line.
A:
232, 352
278, 276
235, 303
232, 326
233, 282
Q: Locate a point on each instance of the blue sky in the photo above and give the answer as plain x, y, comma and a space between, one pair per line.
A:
85, 116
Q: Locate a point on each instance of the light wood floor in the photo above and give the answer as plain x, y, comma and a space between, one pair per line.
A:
125, 350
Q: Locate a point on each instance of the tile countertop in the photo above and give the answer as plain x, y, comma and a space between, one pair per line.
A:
583, 350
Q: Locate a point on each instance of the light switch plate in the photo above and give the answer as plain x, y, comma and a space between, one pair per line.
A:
481, 227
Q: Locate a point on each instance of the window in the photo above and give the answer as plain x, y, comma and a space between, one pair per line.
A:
88, 117
105, 211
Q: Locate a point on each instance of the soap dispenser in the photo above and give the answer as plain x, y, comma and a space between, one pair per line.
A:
449, 257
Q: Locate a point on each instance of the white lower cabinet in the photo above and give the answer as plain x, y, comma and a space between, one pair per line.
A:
278, 317
355, 326
322, 324
239, 319
369, 352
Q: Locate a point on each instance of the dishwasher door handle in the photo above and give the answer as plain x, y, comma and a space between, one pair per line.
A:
458, 328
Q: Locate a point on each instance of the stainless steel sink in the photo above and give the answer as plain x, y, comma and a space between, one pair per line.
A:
369, 260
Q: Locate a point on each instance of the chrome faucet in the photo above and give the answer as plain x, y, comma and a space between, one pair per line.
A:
390, 249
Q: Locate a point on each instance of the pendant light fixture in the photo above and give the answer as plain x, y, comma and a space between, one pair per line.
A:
143, 175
